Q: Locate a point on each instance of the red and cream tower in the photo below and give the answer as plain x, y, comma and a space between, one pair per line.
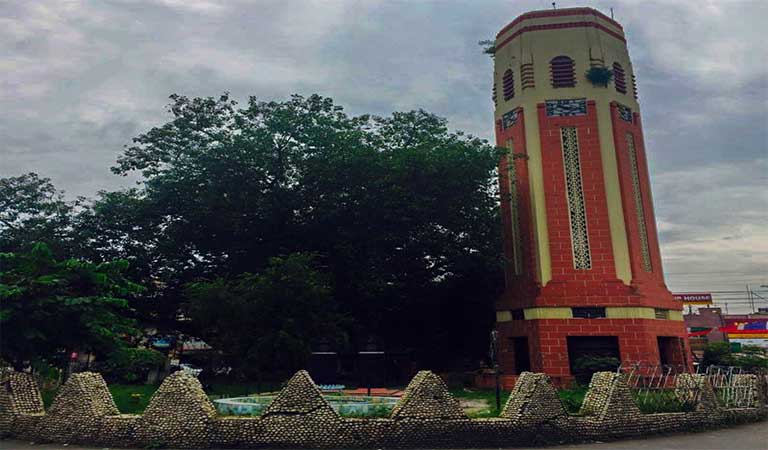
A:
583, 269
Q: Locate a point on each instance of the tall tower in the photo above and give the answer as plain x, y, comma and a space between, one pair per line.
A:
583, 269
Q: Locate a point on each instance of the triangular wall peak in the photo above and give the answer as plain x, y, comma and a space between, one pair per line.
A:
178, 415
84, 396
427, 397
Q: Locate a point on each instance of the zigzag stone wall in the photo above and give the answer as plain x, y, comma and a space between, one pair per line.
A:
180, 415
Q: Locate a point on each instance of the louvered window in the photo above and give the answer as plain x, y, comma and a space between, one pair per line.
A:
634, 86
619, 78
508, 84
563, 72
526, 76
493, 94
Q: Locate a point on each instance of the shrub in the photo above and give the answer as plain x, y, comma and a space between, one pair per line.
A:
720, 354
130, 365
573, 398
585, 366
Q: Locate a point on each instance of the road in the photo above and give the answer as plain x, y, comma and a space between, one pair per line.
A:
753, 436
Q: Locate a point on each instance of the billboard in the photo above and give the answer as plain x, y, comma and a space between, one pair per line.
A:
694, 298
749, 328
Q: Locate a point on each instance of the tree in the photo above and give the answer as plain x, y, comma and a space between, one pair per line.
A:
123, 225
720, 354
401, 211
31, 210
48, 305
265, 323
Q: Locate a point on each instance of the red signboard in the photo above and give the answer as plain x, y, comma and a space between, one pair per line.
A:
694, 298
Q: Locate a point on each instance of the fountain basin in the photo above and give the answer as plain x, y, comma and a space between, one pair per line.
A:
343, 404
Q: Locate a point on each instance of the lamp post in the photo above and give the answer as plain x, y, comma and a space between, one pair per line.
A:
493, 353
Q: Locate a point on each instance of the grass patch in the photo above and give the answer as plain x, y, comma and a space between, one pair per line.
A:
573, 398
653, 402
48, 396
132, 398
488, 396
129, 398
661, 401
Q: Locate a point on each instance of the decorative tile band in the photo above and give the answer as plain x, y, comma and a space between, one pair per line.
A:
582, 259
645, 252
509, 118
611, 312
569, 107
625, 113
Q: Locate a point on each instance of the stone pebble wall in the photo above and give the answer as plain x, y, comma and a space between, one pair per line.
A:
180, 415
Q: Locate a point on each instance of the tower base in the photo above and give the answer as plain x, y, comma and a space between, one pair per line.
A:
564, 348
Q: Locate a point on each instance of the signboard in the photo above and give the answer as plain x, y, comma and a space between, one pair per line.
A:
694, 298
755, 341
746, 329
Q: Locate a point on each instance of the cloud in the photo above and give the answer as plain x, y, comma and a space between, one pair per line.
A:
81, 78
712, 225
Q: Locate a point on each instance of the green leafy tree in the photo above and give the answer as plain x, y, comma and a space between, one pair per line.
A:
31, 210
49, 305
265, 323
750, 357
401, 211
124, 225
717, 354
129, 365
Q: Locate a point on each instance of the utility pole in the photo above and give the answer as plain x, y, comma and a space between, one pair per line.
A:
494, 354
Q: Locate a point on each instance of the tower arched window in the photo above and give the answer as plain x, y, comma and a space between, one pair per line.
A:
562, 71
619, 78
508, 84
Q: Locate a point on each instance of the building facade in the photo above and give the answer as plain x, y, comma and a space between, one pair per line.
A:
583, 268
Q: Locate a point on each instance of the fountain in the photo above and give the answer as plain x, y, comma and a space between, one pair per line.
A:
345, 405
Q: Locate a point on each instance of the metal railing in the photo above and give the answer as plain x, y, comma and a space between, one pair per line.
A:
656, 389
660, 388
734, 387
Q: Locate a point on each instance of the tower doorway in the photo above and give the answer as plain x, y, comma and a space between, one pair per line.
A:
522, 355
590, 354
671, 351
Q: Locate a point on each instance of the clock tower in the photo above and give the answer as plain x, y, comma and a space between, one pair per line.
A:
583, 270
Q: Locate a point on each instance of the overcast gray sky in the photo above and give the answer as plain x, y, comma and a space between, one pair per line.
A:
81, 78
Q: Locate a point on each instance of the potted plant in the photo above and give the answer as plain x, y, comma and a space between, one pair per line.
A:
599, 76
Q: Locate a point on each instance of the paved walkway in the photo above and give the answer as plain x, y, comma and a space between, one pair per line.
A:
747, 437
